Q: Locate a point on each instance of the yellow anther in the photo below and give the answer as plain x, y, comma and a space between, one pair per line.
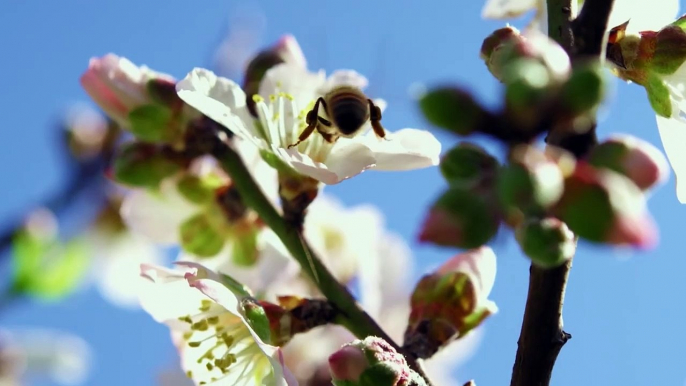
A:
187, 335
189, 374
272, 98
194, 344
228, 339
205, 305
213, 320
209, 366
257, 98
186, 319
200, 326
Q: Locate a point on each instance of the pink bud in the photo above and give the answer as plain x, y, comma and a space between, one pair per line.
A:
117, 85
348, 363
640, 161
440, 228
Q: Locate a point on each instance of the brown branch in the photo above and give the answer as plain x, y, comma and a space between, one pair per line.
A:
542, 337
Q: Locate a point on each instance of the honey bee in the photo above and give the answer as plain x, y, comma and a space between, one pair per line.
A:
348, 109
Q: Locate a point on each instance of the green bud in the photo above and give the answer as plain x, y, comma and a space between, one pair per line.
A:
460, 218
531, 183
585, 89
670, 49
201, 236
163, 92
453, 109
151, 123
548, 242
143, 165
496, 41
467, 165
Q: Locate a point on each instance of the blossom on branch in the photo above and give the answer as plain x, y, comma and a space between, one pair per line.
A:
287, 93
218, 341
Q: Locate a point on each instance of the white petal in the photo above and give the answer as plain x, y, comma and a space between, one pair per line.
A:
404, 149
118, 268
219, 98
345, 78
295, 80
673, 136
346, 160
480, 264
643, 15
502, 9
156, 215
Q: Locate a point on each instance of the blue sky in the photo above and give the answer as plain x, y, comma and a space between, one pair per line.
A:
624, 309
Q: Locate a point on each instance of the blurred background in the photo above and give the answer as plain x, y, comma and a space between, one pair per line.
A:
623, 308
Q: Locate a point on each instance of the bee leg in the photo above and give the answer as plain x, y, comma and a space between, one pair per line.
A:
375, 119
312, 122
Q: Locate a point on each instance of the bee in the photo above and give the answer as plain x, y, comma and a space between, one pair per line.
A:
348, 109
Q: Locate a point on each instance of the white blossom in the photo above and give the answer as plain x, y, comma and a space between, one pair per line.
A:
216, 343
287, 93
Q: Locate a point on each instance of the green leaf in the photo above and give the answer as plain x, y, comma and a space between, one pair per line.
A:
670, 50
62, 271
151, 123
201, 237
467, 164
453, 109
47, 269
198, 190
658, 95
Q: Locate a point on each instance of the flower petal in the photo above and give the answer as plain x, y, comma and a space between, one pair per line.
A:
502, 9
157, 215
404, 149
348, 158
345, 78
295, 80
643, 16
673, 135
219, 98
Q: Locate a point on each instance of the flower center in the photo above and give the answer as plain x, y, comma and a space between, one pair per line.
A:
219, 340
280, 122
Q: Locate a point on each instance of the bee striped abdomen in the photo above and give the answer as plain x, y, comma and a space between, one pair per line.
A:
349, 110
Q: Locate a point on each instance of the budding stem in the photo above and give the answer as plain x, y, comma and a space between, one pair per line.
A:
542, 337
353, 317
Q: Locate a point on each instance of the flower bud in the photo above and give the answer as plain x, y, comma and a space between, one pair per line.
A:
88, 132
533, 47
632, 157
548, 242
371, 361
286, 50
143, 165
460, 218
603, 206
453, 109
468, 165
450, 302
585, 89
119, 86
531, 183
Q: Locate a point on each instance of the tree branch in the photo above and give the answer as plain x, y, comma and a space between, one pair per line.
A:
542, 337
354, 318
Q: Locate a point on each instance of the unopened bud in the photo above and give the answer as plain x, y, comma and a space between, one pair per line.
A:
496, 41
603, 206
531, 183
640, 161
468, 165
585, 89
450, 302
533, 47
163, 91
143, 165
87, 132
371, 361
453, 109
460, 218
548, 242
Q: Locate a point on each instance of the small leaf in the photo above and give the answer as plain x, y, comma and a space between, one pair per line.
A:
150, 123
659, 97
